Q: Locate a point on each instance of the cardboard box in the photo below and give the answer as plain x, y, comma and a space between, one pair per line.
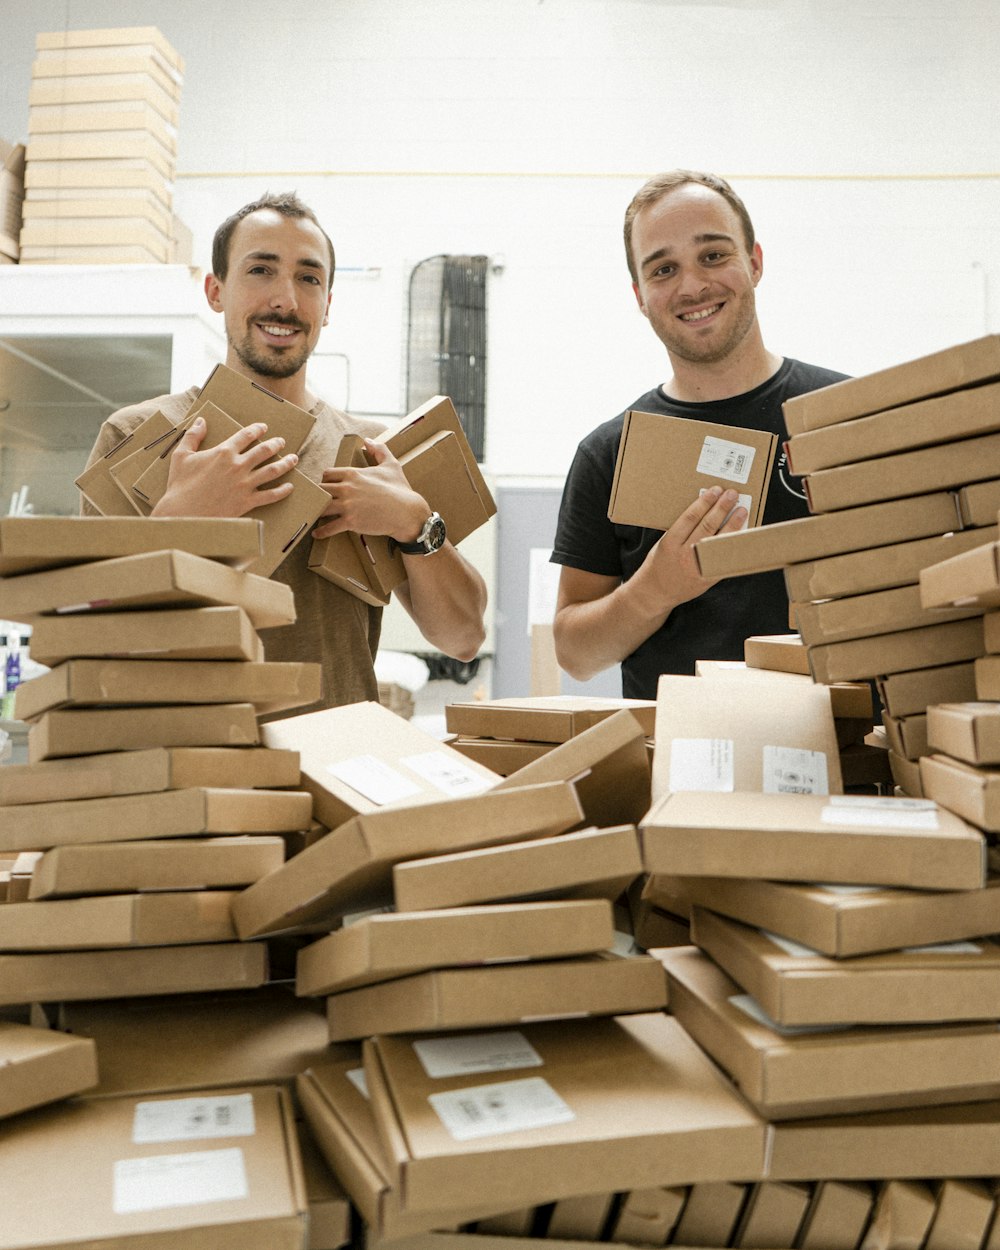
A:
782, 653
360, 758
939, 373
121, 867
80, 731
69, 46
902, 1215
556, 718
837, 1217
75, 89
350, 868
794, 1074
500, 994
864, 616
972, 793
329, 1206
502, 758
68, 975
929, 646
963, 1216
848, 839
906, 775
380, 947
907, 735
11, 199
664, 463
119, 1171
969, 580
796, 985
710, 737
987, 679
612, 1105
647, 1217
184, 634
817, 537
583, 1218
772, 1215
880, 568
968, 731
167, 814
101, 683
978, 502
235, 768
157, 578
33, 543
38, 1066
848, 700
64, 236
906, 693
590, 862
118, 920
711, 1214
100, 487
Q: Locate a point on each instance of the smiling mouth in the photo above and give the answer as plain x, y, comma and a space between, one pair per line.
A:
701, 314
278, 331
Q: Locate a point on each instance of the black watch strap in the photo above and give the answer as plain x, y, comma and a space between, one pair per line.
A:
430, 539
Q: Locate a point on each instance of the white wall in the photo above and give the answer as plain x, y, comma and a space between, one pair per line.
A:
863, 135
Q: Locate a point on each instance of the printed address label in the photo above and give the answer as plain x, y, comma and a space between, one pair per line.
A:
505, 1107
180, 1180
193, 1119
721, 458
476, 1052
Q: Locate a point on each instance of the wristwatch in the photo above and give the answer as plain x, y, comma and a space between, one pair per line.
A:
430, 539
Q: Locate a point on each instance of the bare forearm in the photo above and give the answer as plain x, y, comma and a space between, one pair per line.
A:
592, 636
446, 597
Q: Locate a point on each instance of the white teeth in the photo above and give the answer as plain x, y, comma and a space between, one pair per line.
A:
281, 331
700, 316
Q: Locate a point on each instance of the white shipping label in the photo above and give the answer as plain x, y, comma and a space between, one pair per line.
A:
192, 1119
701, 764
752, 1008
451, 776
359, 1080
506, 1107
790, 947
476, 1052
372, 777
794, 770
721, 458
882, 813
184, 1180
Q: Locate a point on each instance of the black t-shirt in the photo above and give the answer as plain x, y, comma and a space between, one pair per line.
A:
713, 626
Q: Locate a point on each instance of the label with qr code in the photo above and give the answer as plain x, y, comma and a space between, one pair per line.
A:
794, 770
446, 774
721, 458
505, 1107
191, 1119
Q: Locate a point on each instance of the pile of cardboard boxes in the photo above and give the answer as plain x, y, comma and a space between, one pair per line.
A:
11, 199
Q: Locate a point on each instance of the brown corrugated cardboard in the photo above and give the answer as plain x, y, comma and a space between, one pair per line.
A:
666, 462
906, 775
647, 1217
583, 1218
270, 687
187, 1173
798, 986
962, 1217
816, 537
80, 731
972, 793
380, 947
96, 776
502, 758
987, 679
39, 1066
837, 1216
849, 839
555, 718
711, 1214
185, 634
772, 1215
97, 483
991, 632
898, 652
600, 862
847, 699
234, 768
329, 1206
33, 543
906, 735
902, 1215
879, 568
968, 731
906, 693
791, 1074
863, 616
613, 1104
936, 374
781, 653
968, 580
350, 868
74, 89
121, 867
978, 503
118, 920
500, 994
115, 41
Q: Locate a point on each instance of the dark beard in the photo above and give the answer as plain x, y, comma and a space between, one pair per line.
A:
268, 366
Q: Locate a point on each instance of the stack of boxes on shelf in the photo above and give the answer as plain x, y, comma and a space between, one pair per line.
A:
11, 198
102, 150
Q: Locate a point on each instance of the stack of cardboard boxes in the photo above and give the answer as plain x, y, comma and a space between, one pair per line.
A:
102, 149
11, 198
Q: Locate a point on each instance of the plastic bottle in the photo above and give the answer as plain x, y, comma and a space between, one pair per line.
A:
12, 675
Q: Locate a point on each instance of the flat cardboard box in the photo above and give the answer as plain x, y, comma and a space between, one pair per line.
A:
798, 1074
598, 862
962, 1217
969, 580
798, 986
361, 757
847, 839
906, 775
553, 718
782, 653
991, 632
122, 1171
329, 1206
498, 995
131, 973
32, 543
99, 486
900, 651
100, 89
123, 867
380, 947
773, 1213
183, 634
647, 1217
817, 537
906, 693
837, 1217
350, 868
96, 776
939, 373
81, 731
234, 768
979, 502
848, 700
173, 918
502, 758
960, 414
581, 1218
167, 814
664, 463
880, 568
711, 1213
864, 616
844, 921
150, 579
618, 1104
902, 1215
970, 792
39, 1066
101, 683
710, 736
906, 735
967, 731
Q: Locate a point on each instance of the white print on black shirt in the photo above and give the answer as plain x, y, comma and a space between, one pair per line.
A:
785, 479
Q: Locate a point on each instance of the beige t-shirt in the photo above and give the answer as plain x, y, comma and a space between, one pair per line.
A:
333, 628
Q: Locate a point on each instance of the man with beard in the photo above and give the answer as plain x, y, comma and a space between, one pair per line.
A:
634, 596
272, 277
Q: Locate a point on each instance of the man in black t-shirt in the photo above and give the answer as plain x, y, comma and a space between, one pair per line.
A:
634, 596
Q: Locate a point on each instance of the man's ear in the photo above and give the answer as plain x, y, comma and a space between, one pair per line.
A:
213, 292
638, 299
326, 310
756, 263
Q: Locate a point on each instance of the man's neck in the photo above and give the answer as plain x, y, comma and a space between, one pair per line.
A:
701, 383
293, 389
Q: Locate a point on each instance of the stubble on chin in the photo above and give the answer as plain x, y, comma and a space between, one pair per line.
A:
268, 366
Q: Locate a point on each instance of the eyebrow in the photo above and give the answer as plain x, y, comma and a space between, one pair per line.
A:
698, 238
308, 262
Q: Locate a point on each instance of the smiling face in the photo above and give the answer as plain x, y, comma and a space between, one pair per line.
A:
276, 293
696, 278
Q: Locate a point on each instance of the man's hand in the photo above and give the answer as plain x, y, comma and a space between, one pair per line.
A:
671, 568
376, 499
227, 480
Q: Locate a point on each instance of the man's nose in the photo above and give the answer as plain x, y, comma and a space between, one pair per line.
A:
282, 294
693, 283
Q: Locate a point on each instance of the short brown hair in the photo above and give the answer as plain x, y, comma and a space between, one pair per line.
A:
286, 203
662, 184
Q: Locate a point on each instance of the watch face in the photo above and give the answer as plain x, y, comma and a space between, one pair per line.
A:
436, 534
